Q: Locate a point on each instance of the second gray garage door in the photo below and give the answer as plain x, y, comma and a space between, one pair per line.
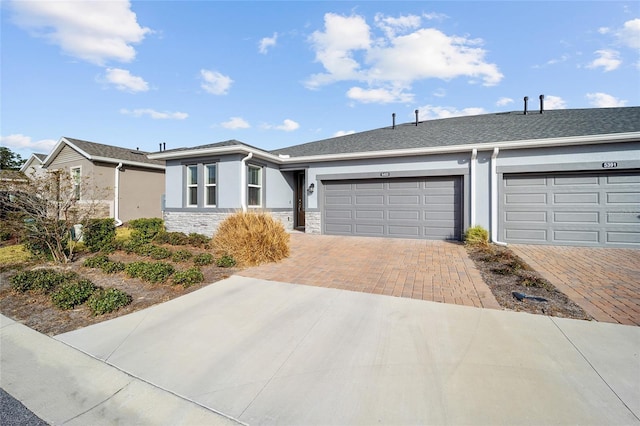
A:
429, 208
584, 209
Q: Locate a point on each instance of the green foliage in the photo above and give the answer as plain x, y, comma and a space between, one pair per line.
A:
159, 253
476, 236
188, 277
41, 280
10, 160
96, 261
181, 255
100, 235
103, 301
199, 240
153, 272
203, 259
46, 239
144, 230
72, 294
226, 261
112, 267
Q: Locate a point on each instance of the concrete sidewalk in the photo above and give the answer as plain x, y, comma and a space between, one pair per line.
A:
266, 352
62, 385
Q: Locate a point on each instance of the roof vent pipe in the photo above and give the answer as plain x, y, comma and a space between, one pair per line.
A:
541, 104
160, 148
393, 120
164, 146
416, 111
526, 101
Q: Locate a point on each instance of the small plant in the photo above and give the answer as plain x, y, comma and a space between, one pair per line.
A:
188, 277
100, 235
103, 301
41, 280
199, 240
144, 230
159, 253
72, 294
178, 239
181, 255
96, 261
151, 272
476, 236
112, 267
203, 259
226, 261
135, 269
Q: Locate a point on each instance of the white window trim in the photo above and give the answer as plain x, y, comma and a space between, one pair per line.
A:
190, 185
209, 185
77, 188
250, 185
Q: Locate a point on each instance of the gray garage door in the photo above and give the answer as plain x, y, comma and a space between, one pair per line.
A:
428, 208
590, 209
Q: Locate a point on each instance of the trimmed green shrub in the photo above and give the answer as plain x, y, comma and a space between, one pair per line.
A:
135, 269
41, 280
476, 236
203, 259
96, 261
103, 301
199, 240
72, 294
112, 267
151, 272
159, 253
188, 277
100, 235
181, 255
226, 261
144, 230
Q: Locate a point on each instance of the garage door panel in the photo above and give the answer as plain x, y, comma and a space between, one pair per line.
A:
576, 181
622, 179
631, 238
579, 198
566, 236
576, 217
404, 207
527, 235
623, 217
526, 198
526, 216
623, 198
527, 181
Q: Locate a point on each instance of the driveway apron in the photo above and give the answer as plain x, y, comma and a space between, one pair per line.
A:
605, 282
437, 271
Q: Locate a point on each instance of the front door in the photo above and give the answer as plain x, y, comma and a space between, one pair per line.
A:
299, 198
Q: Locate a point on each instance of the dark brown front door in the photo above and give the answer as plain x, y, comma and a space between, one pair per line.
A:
299, 196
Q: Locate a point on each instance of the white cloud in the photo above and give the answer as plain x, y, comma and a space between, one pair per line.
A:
504, 101
235, 123
343, 133
156, 115
392, 26
22, 142
630, 33
94, 31
554, 102
604, 30
287, 126
267, 42
608, 59
381, 95
123, 80
430, 112
604, 100
433, 16
440, 93
215, 83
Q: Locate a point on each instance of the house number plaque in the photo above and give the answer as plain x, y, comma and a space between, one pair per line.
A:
609, 165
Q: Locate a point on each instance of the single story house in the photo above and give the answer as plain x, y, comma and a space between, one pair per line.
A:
125, 181
33, 166
558, 177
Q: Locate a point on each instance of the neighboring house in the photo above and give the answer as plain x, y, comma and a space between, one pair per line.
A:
33, 166
128, 184
561, 177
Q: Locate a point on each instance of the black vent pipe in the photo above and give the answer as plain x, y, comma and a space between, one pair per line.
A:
541, 104
416, 111
393, 119
526, 101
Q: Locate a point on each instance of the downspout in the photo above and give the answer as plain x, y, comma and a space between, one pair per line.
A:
243, 181
472, 171
116, 201
494, 198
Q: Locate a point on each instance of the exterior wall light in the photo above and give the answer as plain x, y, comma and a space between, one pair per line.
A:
312, 187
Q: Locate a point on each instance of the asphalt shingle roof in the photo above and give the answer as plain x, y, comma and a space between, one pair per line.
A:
114, 152
479, 129
40, 157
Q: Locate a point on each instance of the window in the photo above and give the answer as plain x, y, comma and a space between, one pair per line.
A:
192, 185
75, 178
254, 183
210, 185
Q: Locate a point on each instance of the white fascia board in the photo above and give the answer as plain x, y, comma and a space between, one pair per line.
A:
128, 163
56, 150
232, 149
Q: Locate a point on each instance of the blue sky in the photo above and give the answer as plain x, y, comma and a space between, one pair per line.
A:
274, 74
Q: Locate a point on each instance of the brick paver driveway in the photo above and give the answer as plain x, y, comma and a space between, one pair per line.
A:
605, 282
429, 270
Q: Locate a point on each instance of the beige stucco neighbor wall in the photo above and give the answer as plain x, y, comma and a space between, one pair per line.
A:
140, 192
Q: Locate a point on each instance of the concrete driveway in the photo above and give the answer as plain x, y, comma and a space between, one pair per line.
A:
266, 352
605, 282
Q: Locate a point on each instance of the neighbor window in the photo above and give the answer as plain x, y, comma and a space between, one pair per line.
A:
75, 180
254, 184
192, 185
210, 185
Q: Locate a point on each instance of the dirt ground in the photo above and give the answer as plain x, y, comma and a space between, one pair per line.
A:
503, 272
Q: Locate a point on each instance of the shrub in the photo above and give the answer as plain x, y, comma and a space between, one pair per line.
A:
476, 236
112, 267
151, 272
100, 235
41, 280
72, 294
188, 277
158, 252
203, 259
226, 261
181, 256
199, 240
251, 238
178, 239
103, 301
96, 261
144, 230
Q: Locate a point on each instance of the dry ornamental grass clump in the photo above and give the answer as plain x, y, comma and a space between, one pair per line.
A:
251, 238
